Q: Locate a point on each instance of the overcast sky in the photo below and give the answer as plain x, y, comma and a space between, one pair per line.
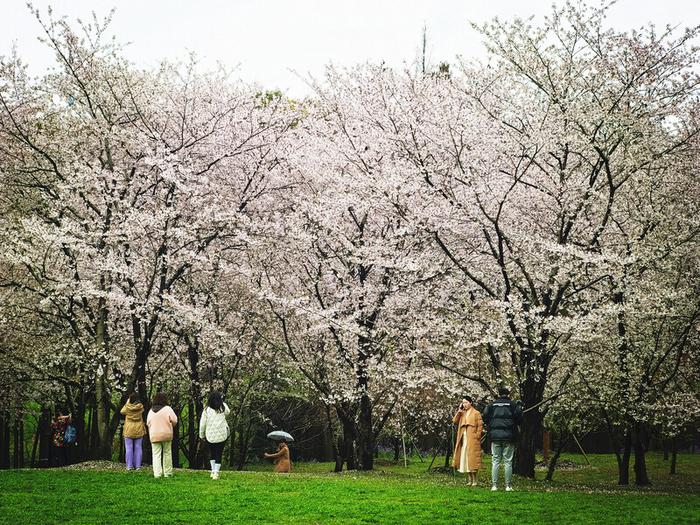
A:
270, 39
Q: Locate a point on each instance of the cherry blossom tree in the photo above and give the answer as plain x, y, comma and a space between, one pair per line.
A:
347, 274
531, 172
531, 222
133, 177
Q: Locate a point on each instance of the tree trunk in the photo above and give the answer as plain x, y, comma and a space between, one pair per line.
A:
674, 454
336, 445
104, 438
553, 463
349, 444
88, 431
176, 446
623, 477
191, 436
448, 447
243, 444
15, 442
102, 389
546, 445
94, 432
339, 456
106, 426
35, 446
527, 443
21, 441
146, 400
4, 441
614, 445
365, 434
201, 455
78, 419
641, 476
196, 446
122, 446
45, 438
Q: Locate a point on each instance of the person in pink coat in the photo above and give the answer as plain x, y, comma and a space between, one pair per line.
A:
161, 420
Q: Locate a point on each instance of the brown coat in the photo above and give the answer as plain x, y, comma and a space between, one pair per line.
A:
282, 461
468, 422
133, 424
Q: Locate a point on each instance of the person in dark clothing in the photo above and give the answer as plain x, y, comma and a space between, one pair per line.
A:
59, 449
502, 418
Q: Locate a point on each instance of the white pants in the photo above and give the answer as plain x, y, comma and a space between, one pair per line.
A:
162, 459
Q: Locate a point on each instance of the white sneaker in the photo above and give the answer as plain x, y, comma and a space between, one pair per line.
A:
494, 488
509, 489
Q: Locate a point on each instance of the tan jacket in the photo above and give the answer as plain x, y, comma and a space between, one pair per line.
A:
282, 461
471, 424
133, 424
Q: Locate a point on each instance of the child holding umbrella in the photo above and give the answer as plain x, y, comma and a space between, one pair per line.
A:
282, 459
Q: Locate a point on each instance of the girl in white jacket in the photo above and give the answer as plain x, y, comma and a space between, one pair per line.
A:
214, 428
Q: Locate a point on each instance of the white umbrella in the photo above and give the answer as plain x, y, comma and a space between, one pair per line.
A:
280, 435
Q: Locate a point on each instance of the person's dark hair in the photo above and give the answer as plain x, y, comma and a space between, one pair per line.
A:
215, 402
134, 398
160, 399
503, 391
468, 398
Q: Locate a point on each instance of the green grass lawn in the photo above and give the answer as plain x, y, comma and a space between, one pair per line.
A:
392, 494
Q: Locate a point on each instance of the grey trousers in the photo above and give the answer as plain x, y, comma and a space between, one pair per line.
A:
502, 452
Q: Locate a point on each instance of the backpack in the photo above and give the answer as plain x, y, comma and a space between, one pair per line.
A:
70, 435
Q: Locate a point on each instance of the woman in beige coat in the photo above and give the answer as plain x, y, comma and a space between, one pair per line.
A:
133, 431
467, 456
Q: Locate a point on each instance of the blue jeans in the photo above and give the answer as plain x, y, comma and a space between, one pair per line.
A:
502, 451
